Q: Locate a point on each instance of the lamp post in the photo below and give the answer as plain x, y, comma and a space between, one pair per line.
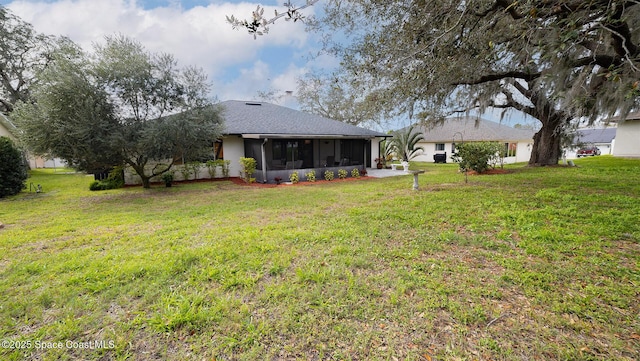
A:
453, 141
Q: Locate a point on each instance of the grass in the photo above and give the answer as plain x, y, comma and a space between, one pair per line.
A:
539, 263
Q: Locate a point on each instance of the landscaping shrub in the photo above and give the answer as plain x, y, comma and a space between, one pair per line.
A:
294, 177
113, 181
248, 168
311, 176
355, 173
342, 174
13, 168
328, 175
476, 156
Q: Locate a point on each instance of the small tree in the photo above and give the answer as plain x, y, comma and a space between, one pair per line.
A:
121, 105
476, 155
405, 143
13, 169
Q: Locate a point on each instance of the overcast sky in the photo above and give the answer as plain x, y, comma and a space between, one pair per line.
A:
194, 31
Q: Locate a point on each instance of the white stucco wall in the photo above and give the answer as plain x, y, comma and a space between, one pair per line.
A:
628, 139
233, 147
523, 152
4, 132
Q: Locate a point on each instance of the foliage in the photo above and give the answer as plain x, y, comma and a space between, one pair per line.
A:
329, 175
554, 63
212, 168
311, 175
115, 180
167, 178
331, 97
248, 168
560, 62
194, 168
185, 171
121, 106
294, 177
355, 173
259, 25
23, 54
13, 168
249, 276
225, 164
342, 173
477, 156
405, 143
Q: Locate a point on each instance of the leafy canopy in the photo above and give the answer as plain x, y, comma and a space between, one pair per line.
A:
121, 106
557, 61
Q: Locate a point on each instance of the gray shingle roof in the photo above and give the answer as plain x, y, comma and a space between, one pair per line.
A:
474, 130
265, 119
605, 135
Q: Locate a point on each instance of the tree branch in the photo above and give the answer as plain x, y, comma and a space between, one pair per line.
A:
527, 76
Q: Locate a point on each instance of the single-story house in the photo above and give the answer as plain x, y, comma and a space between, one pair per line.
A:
627, 143
603, 138
283, 140
439, 140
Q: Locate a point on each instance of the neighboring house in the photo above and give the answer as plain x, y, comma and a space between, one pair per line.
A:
603, 138
282, 140
440, 140
627, 143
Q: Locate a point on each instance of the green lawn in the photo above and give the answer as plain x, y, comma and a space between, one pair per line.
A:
536, 264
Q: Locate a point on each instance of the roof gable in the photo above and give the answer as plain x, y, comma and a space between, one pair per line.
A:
266, 119
474, 130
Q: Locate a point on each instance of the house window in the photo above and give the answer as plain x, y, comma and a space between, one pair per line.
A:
439, 147
218, 152
510, 149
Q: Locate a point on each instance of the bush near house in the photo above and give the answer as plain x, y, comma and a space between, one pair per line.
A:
477, 156
13, 168
248, 168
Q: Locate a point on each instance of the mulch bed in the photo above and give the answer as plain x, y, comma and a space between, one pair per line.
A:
240, 181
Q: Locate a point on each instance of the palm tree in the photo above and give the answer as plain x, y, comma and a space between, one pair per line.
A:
405, 143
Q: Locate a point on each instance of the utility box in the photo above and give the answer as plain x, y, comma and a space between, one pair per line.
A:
440, 157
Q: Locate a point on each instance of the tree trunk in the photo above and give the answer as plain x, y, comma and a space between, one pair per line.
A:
547, 148
146, 182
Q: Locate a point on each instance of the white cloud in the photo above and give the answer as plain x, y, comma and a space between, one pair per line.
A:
198, 36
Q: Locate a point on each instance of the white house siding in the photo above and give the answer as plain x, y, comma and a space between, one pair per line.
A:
233, 147
523, 152
628, 139
4, 132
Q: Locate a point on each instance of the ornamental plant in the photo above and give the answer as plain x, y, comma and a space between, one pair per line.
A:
294, 177
476, 156
248, 168
328, 175
342, 174
212, 167
355, 173
311, 176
